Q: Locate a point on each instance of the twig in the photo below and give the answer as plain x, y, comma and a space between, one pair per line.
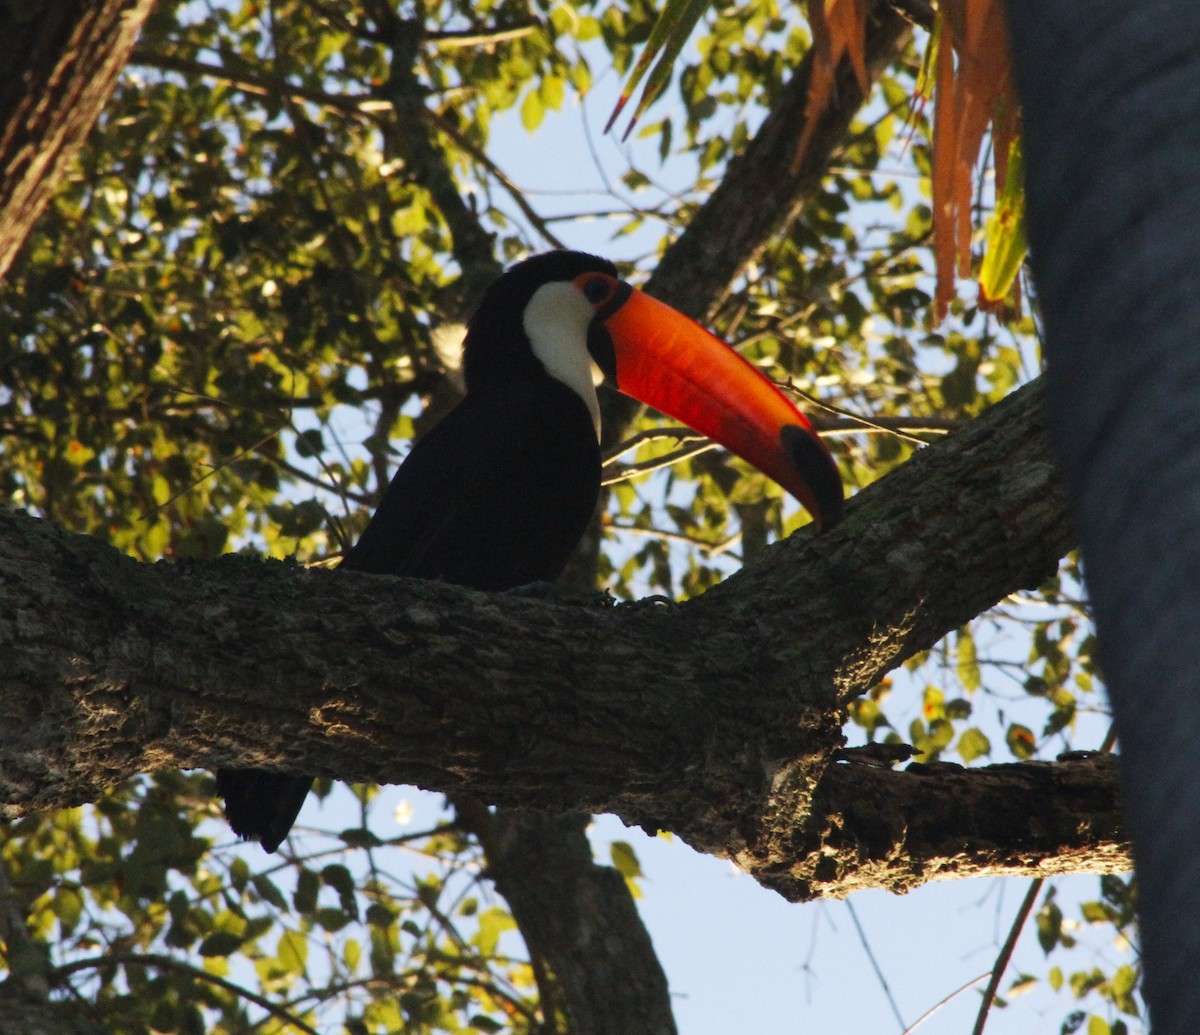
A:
256, 83
940, 1003
679, 433
862, 937
479, 37
512, 189
889, 425
904, 427
1005, 954
705, 546
170, 963
1006, 950
612, 475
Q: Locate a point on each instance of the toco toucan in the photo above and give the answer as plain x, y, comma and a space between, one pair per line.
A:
499, 493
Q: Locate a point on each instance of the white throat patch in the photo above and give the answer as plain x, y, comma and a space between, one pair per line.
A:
556, 322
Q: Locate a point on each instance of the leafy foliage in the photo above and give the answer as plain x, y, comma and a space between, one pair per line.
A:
234, 318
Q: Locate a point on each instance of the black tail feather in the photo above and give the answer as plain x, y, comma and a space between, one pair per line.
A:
262, 805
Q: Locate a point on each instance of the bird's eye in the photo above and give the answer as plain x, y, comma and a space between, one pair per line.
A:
597, 289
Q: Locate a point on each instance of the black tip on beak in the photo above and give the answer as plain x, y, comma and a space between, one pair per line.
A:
810, 458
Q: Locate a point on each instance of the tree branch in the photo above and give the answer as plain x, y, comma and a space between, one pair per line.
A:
898, 830
715, 718
61, 63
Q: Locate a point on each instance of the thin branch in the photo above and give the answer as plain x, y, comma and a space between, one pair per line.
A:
902, 427
942, 1002
452, 38
512, 189
846, 424
170, 963
888, 425
679, 433
217, 468
862, 937
361, 498
1006, 950
1005, 954
706, 546
257, 83
621, 473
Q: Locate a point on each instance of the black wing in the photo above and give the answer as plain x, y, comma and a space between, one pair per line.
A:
495, 496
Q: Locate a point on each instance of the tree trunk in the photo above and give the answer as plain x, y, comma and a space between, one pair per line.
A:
1112, 123
61, 61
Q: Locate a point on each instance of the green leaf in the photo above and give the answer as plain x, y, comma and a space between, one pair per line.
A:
866, 713
269, 892
551, 92
239, 873
1021, 741
967, 662
669, 34
973, 744
310, 443
958, 709
1096, 912
625, 860
1049, 926
220, 943
379, 916
1124, 982
331, 919
1005, 242
307, 887
293, 952
493, 922
941, 732
532, 111
68, 907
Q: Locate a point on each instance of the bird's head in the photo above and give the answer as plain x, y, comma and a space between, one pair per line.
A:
569, 315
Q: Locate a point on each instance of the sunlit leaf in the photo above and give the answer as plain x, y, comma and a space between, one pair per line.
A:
670, 33
293, 952
1005, 243
973, 744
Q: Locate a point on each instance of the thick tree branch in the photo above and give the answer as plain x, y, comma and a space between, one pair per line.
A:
897, 830
714, 718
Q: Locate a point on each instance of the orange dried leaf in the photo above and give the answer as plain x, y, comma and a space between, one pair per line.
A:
973, 90
839, 29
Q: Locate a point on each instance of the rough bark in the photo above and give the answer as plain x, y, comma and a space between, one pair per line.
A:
1112, 122
897, 830
61, 62
714, 718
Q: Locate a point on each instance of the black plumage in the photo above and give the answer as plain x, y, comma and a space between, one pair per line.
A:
495, 496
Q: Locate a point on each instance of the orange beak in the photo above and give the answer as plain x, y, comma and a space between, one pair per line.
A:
662, 358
